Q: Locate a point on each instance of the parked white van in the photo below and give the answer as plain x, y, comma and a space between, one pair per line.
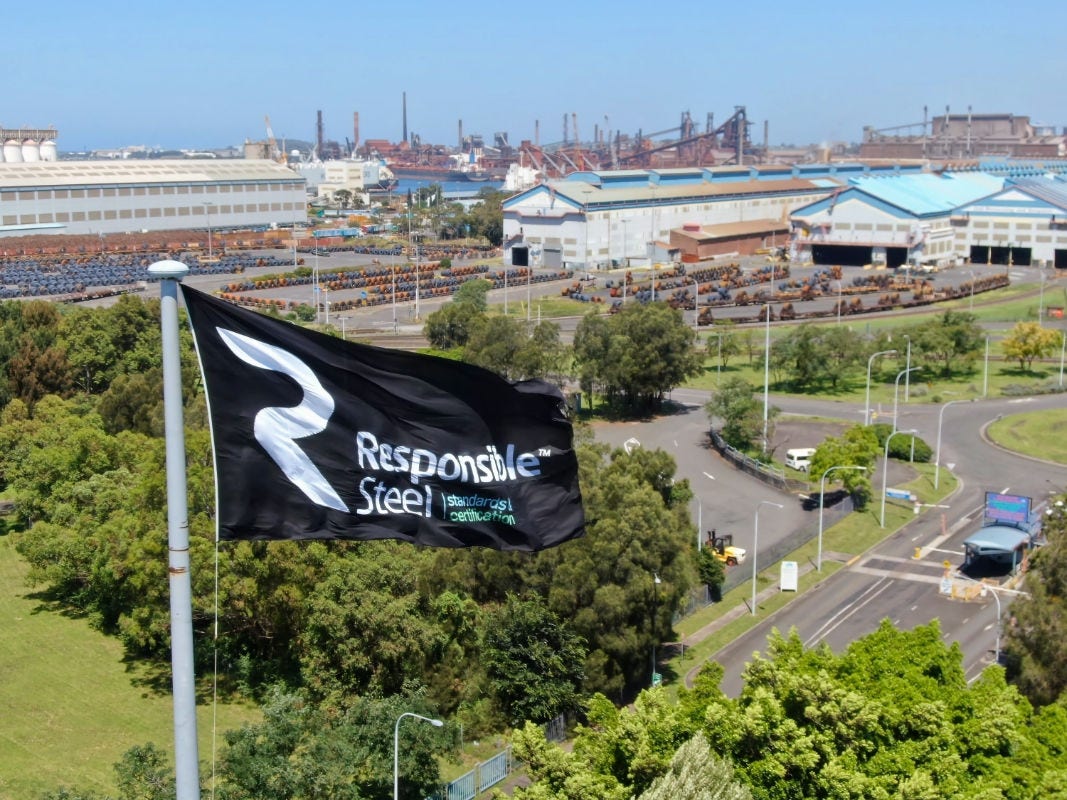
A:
799, 458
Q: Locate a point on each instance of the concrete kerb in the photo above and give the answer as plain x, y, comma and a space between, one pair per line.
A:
742, 609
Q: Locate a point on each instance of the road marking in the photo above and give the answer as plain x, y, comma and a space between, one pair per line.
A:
1005, 490
837, 619
675, 442
943, 550
709, 475
904, 576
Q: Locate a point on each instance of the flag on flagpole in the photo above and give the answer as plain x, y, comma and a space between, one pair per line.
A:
318, 438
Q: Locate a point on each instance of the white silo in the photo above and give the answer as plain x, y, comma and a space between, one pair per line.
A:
48, 151
30, 150
12, 151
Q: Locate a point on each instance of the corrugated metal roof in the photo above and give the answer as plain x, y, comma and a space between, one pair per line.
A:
998, 537
16, 175
730, 229
929, 194
593, 195
1051, 190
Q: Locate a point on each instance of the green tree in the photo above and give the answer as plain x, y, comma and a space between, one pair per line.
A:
697, 773
726, 343
741, 412
1036, 640
559, 775
144, 773
496, 345
1027, 341
856, 447
534, 662
637, 355
369, 629
302, 751
543, 355
711, 570
452, 325
944, 343
592, 343
486, 217
474, 292
343, 198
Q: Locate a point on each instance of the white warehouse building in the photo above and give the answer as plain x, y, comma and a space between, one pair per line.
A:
597, 220
101, 197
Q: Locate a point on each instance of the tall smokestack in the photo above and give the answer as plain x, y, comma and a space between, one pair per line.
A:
461, 134
766, 141
537, 132
355, 131
319, 132
968, 131
925, 123
405, 95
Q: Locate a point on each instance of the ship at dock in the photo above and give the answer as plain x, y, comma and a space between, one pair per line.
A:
453, 168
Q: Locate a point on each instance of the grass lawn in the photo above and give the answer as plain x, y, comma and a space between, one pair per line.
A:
1042, 434
71, 704
1009, 308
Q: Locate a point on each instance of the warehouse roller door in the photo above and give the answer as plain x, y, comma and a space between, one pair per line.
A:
842, 254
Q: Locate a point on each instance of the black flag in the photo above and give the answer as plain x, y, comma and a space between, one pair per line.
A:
319, 438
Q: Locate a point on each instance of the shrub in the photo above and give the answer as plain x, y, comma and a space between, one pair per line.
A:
900, 447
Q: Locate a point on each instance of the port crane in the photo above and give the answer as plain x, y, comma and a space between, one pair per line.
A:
275, 153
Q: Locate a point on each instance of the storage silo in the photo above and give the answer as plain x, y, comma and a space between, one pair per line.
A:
13, 151
30, 150
48, 151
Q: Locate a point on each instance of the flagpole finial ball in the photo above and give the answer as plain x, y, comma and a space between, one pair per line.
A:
168, 269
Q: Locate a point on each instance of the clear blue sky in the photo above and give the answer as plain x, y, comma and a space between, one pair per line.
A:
204, 74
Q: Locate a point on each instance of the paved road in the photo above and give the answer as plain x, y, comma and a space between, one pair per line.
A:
888, 582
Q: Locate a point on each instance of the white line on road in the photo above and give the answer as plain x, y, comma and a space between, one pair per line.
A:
904, 576
869, 594
709, 475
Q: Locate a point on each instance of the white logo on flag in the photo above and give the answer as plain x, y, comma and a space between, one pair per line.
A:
276, 428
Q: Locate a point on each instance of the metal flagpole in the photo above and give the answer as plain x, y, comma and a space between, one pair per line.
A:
186, 760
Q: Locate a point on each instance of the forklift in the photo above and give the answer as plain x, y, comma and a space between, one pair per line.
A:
723, 547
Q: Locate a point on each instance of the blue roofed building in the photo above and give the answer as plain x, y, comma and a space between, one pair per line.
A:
998, 213
1024, 223
888, 221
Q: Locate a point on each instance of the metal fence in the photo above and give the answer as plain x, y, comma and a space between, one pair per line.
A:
770, 474
483, 776
491, 772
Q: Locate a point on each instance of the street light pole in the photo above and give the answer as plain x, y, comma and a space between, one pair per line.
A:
755, 547
392, 271
655, 605
885, 468
396, 746
972, 289
896, 389
210, 247
839, 302
1063, 351
822, 503
867, 404
937, 457
1041, 299
996, 651
766, 375
416, 278
907, 377
985, 373
718, 364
